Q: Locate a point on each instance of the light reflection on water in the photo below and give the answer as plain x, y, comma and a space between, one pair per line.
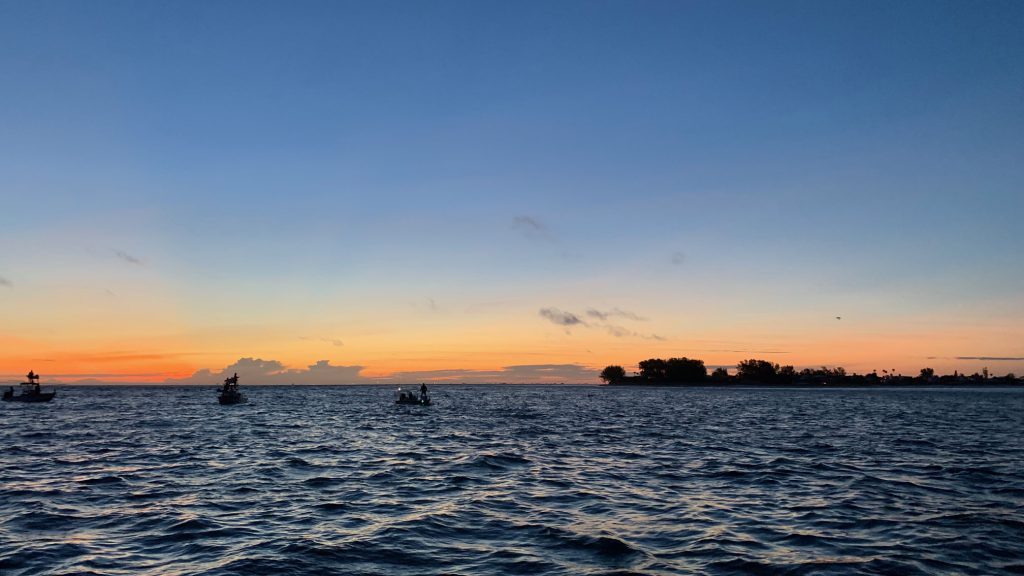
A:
494, 480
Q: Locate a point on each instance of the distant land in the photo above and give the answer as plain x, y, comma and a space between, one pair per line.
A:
692, 372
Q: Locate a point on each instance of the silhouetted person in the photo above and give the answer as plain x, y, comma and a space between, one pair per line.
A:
423, 390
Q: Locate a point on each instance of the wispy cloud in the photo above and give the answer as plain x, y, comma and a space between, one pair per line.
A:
531, 227
333, 341
678, 258
561, 318
620, 332
120, 356
5, 282
614, 312
744, 351
600, 321
992, 358
519, 374
126, 257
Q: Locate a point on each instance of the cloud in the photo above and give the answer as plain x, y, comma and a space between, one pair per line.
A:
334, 341
745, 351
531, 227
678, 258
5, 282
527, 222
614, 312
620, 332
992, 358
601, 321
129, 356
518, 374
259, 371
127, 257
561, 318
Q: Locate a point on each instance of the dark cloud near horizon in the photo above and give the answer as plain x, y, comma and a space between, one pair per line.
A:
127, 257
5, 282
561, 318
748, 351
259, 371
522, 374
992, 358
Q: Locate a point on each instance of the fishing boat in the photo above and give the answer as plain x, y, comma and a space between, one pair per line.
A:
30, 391
229, 394
411, 397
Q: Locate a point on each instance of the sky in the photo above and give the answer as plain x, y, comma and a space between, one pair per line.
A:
475, 191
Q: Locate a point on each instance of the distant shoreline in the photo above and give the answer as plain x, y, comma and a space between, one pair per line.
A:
817, 385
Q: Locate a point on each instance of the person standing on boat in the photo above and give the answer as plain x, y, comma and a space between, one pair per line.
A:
423, 391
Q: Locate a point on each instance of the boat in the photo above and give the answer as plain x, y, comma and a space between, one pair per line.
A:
229, 394
411, 397
30, 391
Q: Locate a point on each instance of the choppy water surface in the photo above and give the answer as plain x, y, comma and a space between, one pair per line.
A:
503, 480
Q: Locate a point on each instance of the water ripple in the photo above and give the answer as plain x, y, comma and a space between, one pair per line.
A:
499, 480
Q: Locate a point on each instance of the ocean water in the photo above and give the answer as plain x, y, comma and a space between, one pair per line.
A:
514, 480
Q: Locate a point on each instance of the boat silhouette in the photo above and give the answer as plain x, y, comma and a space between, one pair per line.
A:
30, 391
411, 397
229, 394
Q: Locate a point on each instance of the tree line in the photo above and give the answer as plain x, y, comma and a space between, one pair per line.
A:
683, 371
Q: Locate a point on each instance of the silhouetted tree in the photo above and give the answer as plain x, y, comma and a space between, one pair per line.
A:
720, 375
757, 371
613, 374
927, 373
653, 369
786, 375
685, 370
673, 370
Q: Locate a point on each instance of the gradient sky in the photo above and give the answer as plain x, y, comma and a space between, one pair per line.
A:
508, 191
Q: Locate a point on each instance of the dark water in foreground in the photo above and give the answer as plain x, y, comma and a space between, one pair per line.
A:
514, 480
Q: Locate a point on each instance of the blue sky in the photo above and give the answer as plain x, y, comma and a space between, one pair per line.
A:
282, 164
